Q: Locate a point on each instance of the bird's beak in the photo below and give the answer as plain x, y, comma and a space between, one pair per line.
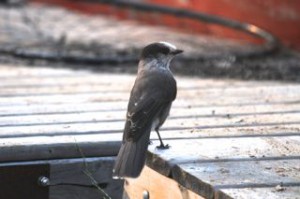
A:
177, 51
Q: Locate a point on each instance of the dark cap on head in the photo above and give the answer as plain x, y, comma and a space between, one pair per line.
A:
155, 49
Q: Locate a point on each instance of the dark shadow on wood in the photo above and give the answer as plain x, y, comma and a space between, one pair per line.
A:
59, 151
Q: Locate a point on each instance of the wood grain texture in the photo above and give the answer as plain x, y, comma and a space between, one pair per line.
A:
229, 138
158, 186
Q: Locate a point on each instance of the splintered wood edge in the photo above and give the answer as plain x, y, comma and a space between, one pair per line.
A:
157, 186
184, 179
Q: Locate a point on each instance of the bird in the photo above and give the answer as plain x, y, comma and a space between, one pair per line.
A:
149, 105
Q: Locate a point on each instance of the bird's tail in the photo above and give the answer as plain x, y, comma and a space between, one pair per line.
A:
131, 158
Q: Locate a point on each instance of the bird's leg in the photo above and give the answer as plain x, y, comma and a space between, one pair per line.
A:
161, 146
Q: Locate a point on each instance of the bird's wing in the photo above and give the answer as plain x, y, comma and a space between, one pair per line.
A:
140, 117
150, 94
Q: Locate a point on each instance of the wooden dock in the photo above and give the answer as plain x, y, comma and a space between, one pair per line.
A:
229, 138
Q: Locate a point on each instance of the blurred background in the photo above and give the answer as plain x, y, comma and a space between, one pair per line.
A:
221, 38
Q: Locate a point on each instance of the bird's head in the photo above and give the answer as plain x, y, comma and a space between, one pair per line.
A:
158, 54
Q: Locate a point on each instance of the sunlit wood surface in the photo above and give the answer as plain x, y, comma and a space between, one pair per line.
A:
229, 138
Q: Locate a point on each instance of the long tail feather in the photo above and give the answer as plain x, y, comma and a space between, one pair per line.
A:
131, 158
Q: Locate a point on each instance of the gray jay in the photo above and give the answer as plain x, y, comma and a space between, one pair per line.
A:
150, 101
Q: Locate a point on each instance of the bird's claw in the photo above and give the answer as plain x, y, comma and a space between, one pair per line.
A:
162, 146
150, 142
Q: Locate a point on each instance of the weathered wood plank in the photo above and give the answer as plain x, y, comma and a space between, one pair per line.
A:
24, 72
44, 82
117, 86
68, 179
219, 164
153, 183
44, 109
108, 144
228, 138
9, 70
258, 193
111, 97
72, 171
119, 115
243, 174
172, 124
55, 147
203, 107
122, 83
247, 173
65, 79
224, 148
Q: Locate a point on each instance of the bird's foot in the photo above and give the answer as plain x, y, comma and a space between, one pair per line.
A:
150, 142
163, 146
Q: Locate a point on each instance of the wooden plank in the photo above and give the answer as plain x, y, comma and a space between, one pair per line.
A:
192, 124
60, 89
103, 115
24, 148
60, 79
219, 164
55, 147
246, 173
43, 147
187, 89
46, 109
224, 148
16, 113
179, 134
117, 89
68, 178
72, 79
203, 107
228, 138
155, 184
10, 70
187, 122
210, 99
41, 84
81, 87
120, 88
258, 193
72, 172
242, 175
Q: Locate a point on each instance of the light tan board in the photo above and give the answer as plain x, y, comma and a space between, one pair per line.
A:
157, 186
228, 138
